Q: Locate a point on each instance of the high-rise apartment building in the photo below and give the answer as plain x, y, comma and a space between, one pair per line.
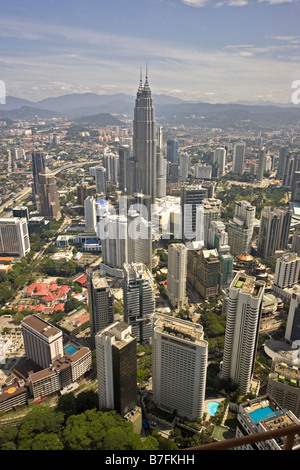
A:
240, 228
100, 301
177, 273
292, 165
38, 165
287, 270
179, 362
48, 202
116, 368
139, 302
111, 164
144, 141
243, 308
292, 330
274, 231
238, 158
43, 342
14, 236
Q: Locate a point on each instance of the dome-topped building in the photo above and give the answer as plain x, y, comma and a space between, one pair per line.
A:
251, 266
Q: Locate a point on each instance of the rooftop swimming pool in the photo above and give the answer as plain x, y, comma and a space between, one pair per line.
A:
70, 349
262, 413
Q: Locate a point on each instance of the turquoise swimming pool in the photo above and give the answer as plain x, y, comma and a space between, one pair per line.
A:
70, 349
212, 407
262, 413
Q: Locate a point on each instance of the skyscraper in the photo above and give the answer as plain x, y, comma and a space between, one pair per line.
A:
179, 362
177, 273
287, 270
139, 302
191, 198
43, 342
38, 165
240, 228
14, 236
261, 164
139, 240
172, 150
100, 178
243, 308
238, 158
116, 368
101, 302
124, 155
144, 141
48, 202
273, 231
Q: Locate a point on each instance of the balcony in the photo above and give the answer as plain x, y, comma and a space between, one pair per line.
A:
288, 434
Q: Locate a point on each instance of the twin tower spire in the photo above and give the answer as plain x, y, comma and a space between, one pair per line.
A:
146, 85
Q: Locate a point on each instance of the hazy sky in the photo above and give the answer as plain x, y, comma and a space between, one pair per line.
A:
203, 50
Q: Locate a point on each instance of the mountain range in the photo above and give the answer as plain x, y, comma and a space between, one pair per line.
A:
89, 107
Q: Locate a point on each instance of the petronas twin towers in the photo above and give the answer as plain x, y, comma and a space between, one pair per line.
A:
144, 142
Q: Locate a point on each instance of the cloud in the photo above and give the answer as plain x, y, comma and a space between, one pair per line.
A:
196, 3
276, 2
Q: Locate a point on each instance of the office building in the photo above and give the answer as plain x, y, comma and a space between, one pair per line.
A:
113, 237
144, 141
217, 235
161, 175
177, 273
43, 342
203, 171
179, 363
192, 197
100, 179
172, 150
14, 236
90, 213
84, 191
100, 301
240, 228
184, 166
243, 308
203, 268
139, 239
124, 155
262, 161
38, 165
138, 300
287, 270
274, 231
207, 213
238, 158
21, 211
281, 161
48, 202
220, 155
116, 368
